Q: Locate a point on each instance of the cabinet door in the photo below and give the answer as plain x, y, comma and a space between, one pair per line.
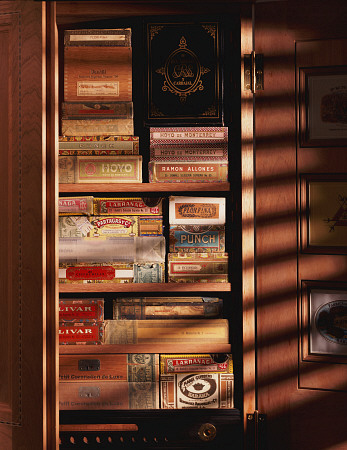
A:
22, 238
301, 383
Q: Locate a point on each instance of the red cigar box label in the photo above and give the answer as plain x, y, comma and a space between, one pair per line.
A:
86, 310
80, 333
90, 273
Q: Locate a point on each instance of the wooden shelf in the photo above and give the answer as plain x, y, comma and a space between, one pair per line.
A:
144, 187
145, 287
145, 348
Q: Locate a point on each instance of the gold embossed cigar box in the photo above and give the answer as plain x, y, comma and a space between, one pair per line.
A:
143, 308
97, 65
88, 126
197, 238
197, 390
98, 145
100, 395
132, 367
169, 331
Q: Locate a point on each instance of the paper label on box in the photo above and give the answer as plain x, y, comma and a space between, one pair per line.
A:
87, 88
97, 37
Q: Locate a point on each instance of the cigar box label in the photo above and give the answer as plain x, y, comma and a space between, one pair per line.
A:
96, 273
170, 331
90, 273
74, 110
188, 135
122, 226
109, 169
75, 205
197, 390
72, 127
197, 238
74, 226
125, 206
149, 273
150, 226
80, 333
172, 171
190, 363
196, 211
81, 310
167, 308
137, 367
103, 395
203, 153
67, 169
98, 37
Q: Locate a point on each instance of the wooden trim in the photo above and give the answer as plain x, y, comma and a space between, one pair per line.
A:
248, 252
52, 303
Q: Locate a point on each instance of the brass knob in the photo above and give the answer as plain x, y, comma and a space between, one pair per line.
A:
207, 432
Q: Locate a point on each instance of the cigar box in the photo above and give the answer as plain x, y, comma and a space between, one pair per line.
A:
98, 226
101, 395
126, 206
97, 65
100, 110
195, 363
156, 308
106, 126
81, 310
81, 333
197, 390
75, 205
196, 210
197, 238
188, 172
150, 226
197, 263
189, 152
98, 145
169, 331
100, 169
205, 278
152, 272
96, 273
183, 136
118, 367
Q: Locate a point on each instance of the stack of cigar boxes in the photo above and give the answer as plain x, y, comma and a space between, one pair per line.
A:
188, 154
97, 142
116, 240
197, 240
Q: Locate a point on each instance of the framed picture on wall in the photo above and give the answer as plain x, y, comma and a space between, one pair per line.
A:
323, 106
324, 321
323, 213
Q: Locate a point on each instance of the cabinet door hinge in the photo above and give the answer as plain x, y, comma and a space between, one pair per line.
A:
253, 72
256, 431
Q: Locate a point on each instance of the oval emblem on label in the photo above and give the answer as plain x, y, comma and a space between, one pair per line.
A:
182, 71
331, 321
198, 387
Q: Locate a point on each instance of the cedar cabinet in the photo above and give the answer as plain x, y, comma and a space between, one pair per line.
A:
287, 395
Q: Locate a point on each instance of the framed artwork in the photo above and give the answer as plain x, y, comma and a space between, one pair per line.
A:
323, 213
324, 321
323, 106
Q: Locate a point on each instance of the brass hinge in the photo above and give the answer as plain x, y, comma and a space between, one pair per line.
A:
253, 72
256, 431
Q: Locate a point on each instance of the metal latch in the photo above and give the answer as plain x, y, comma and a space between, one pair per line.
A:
89, 392
253, 72
256, 431
89, 364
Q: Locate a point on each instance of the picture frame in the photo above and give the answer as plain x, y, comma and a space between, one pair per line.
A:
323, 106
323, 321
323, 213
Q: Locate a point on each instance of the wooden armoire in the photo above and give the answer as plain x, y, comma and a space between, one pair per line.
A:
288, 395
